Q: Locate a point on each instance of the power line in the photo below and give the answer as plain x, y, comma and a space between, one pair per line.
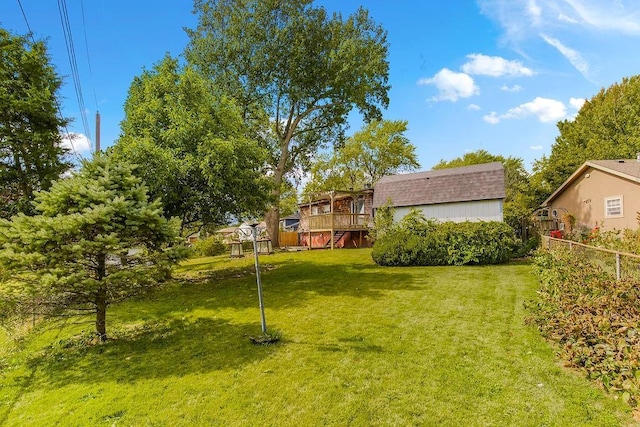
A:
86, 46
25, 18
66, 28
55, 100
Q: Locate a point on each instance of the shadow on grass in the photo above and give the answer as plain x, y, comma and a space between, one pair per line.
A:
172, 349
184, 345
290, 283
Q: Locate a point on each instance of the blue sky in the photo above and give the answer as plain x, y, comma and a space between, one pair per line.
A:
466, 74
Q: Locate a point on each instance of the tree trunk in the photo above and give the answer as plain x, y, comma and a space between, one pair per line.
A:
272, 218
101, 300
101, 314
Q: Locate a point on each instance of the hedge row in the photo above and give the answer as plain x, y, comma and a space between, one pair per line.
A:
416, 241
592, 317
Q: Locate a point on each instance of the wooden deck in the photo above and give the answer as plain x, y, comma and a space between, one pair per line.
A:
338, 221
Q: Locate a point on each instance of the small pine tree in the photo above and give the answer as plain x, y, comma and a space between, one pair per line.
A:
97, 240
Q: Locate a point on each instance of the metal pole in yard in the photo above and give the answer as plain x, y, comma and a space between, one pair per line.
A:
617, 266
257, 263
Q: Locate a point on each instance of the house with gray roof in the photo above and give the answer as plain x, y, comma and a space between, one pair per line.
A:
468, 193
341, 219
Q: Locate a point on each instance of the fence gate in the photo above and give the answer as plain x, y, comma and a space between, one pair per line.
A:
288, 238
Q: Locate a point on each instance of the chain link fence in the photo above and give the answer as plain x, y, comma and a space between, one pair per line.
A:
621, 265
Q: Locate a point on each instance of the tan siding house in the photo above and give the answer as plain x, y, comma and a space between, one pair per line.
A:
601, 193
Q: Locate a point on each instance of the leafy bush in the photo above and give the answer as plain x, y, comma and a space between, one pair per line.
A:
210, 246
417, 241
626, 240
594, 319
527, 248
382, 222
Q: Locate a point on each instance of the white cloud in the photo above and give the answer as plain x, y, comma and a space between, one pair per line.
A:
545, 109
573, 56
492, 118
534, 11
494, 66
76, 142
536, 147
525, 18
564, 18
474, 107
512, 89
617, 16
577, 103
451, 85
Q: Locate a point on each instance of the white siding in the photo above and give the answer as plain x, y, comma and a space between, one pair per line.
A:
483, 210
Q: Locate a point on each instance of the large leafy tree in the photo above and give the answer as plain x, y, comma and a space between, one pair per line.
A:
191, 148
606, 127
380, 148
519, 199
31, 155
96, 240
296, 70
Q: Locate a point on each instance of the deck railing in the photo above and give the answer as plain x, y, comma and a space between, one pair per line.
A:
338, 221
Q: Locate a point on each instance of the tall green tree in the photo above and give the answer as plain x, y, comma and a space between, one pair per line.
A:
31, 154
96, 240
296, 70
519, 199
379, 149
190, 145
606, 127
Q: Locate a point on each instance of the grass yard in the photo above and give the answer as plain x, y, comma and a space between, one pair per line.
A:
361, 345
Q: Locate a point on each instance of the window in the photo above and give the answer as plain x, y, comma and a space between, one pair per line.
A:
314, 210
613, 207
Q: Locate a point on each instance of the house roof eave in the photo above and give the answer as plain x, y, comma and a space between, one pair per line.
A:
566, 183
325, 196
586, 165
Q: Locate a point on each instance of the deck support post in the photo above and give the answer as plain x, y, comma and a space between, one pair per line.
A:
331, 210
309, 225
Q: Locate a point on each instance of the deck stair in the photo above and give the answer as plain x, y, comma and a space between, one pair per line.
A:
336, 238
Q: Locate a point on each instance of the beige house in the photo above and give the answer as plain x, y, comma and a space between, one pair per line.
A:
601, 193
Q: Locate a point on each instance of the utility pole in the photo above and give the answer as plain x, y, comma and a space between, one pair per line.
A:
97, 132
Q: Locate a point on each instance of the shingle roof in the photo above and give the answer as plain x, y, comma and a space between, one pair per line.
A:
295, 215
624, 168
463, 184
631, 168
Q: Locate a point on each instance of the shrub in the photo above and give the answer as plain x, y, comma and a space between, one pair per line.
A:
527, 248
210, 246
382, 222
626, 240
417, 241
400, 247
593, 318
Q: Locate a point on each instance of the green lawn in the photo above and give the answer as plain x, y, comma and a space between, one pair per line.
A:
361, 345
